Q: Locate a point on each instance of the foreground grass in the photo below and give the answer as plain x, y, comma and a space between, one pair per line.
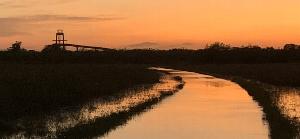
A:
101, 126
29, 90
281, 127
276, 74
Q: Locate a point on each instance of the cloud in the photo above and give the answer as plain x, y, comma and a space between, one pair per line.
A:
5, 3
11, 25
39, 18
12, 4
11, 32
31, 3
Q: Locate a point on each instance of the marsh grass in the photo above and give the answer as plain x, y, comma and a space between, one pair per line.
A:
103, 125
281, 74
254, 78
178, 78
280, 126
34, 90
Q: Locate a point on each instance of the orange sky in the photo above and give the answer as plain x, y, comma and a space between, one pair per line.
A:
170, 23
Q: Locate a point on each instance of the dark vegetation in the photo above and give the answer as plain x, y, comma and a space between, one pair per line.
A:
32, 80
214, 53
103, 125
281, 127
280, 74
30, 90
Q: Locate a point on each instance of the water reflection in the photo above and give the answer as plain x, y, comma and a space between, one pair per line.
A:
289, 103
206, 107
59, 124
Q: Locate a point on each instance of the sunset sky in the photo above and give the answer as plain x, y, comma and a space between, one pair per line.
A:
161, 23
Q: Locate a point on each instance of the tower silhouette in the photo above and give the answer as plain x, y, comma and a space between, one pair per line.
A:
60, 38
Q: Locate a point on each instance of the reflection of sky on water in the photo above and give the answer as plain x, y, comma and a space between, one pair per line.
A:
289, 103
65, 119
206, 107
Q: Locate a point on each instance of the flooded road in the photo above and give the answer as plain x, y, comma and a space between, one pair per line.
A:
206, 107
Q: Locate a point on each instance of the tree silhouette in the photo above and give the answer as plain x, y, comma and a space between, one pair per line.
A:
16, 47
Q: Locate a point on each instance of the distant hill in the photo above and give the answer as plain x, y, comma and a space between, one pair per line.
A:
144, 45
154, 45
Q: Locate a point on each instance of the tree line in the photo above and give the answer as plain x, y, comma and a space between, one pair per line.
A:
213, 53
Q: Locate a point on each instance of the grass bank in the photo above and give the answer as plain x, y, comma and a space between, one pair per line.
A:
254, 78
29, 90
103, 125
280, 74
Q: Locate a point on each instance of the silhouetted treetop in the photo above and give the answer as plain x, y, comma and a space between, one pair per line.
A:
218, 46
16, 47
215, 53
291, 47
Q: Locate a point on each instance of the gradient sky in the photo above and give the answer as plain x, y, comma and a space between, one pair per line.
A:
170, 23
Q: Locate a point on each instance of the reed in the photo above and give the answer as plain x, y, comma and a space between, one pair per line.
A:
253, 78
32, 90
